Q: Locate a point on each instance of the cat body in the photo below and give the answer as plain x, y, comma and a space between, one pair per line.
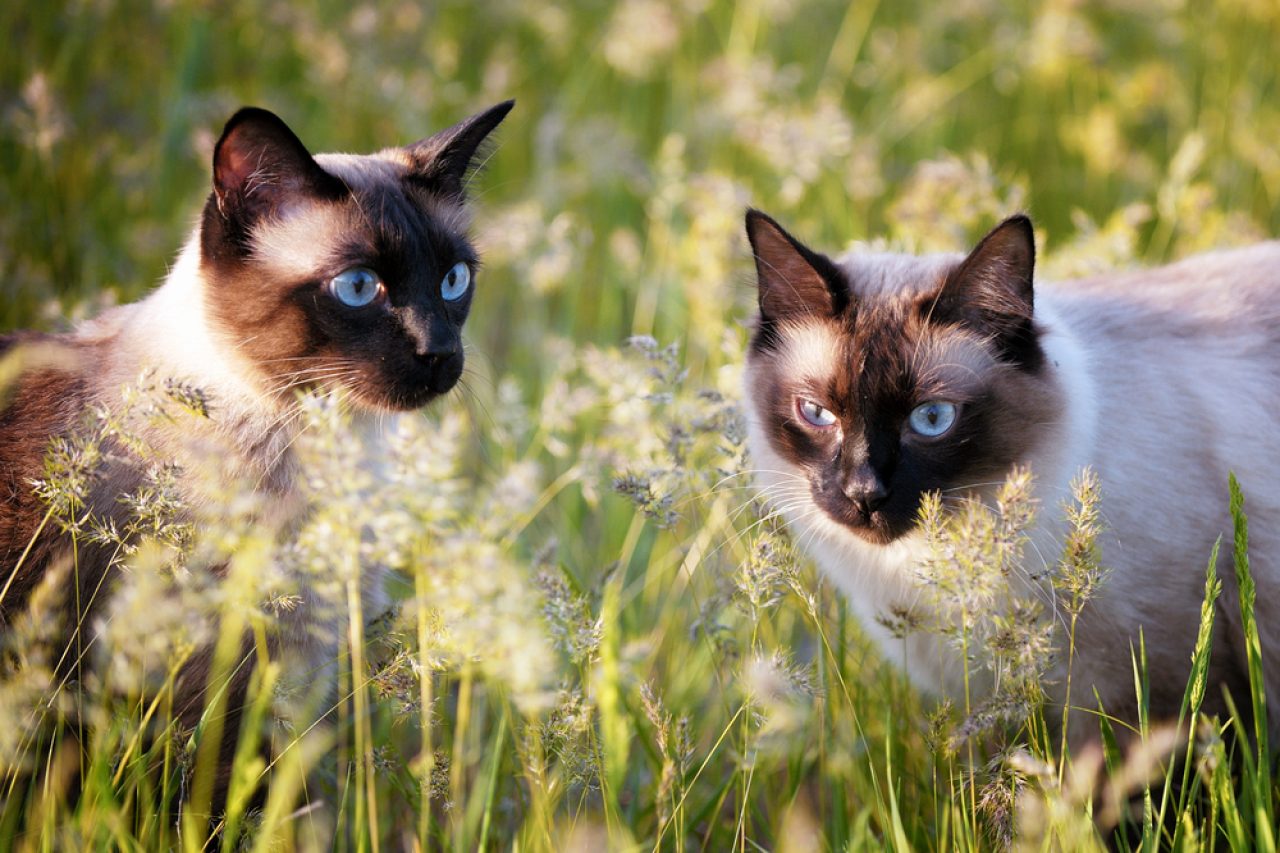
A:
168, 332
1160, 380
339, 273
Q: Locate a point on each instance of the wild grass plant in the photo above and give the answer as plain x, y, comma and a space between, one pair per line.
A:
596, 636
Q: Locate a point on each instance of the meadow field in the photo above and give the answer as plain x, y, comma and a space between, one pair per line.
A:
601, 640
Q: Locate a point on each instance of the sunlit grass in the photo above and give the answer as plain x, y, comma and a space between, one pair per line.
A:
597, 639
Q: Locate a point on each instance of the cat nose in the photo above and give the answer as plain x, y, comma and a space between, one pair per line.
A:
443, 367
435, 355
865, 488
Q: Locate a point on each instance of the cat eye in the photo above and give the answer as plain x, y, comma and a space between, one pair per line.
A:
356, 287
815, 414
933, 418
455, 282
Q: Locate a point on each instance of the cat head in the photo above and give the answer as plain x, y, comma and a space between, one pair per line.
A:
343, 271
877, 379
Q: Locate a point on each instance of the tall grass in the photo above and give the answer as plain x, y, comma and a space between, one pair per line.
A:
597, 639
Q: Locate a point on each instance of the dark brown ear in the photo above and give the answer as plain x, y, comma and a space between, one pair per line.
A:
259, 163
442, 161
792, 280
991, 292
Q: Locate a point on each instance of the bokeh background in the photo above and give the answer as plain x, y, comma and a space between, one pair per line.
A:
1133, 132
643, 128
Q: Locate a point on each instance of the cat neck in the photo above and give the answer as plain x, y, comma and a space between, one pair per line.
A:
170, 332
168, 336
875, 577
1066, 446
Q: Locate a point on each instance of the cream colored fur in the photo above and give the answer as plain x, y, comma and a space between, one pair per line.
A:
1171, 379
247, 439
169, 334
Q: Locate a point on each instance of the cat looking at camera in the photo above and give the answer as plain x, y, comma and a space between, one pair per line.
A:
876, 378
345, 274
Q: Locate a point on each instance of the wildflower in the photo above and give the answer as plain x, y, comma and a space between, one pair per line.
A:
764, 577
569, 618
1080, 570
641, 491
781, 694
640, 35
946, 202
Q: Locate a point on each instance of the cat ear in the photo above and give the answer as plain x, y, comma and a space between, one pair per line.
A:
991, 291
443, 160
259, 164
792, 280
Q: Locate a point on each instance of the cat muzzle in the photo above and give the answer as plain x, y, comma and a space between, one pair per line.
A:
866, 490
442, 369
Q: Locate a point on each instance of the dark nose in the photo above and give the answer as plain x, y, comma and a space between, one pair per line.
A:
864, 487
443, 368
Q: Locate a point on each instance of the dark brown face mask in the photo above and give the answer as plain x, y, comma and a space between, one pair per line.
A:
876, 397
343, 271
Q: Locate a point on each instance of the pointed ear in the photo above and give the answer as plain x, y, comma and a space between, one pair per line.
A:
991, 291
792, 280
259, 164
443, 160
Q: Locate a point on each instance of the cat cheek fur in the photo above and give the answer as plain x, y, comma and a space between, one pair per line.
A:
281, 223
1157, 379
881, 357
1001, 408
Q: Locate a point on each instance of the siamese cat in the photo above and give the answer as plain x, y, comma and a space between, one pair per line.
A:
335, 272
876, 378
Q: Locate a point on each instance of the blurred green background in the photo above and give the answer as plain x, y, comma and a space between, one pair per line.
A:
1132, 130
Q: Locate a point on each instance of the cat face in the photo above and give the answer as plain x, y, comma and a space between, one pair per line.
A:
342, 271
877, 380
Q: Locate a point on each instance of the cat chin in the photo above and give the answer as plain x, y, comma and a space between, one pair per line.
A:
370, 398
398, 400
878, 528
876, 532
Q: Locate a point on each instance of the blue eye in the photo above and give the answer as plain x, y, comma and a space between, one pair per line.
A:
815, 414
455, 282
356, 287
933, 418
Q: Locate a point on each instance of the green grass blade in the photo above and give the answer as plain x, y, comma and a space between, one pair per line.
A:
1253, 648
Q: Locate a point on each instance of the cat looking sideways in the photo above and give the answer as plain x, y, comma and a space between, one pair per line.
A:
336, 272
876, 378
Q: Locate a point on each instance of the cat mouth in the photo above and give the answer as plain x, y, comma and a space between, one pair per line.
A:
395, 398
400, 399
408, 389
877, 527
873, 527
